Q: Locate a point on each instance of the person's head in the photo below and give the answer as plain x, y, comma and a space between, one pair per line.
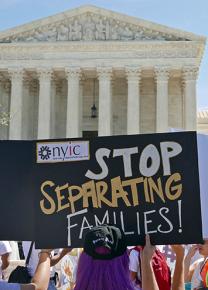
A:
203, 248
104, 263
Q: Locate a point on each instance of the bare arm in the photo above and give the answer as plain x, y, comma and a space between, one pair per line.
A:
148, 278
55, 259
133, 275
41, 278
178, 276
188, 268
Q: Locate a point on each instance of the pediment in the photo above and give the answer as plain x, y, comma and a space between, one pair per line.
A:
89, 23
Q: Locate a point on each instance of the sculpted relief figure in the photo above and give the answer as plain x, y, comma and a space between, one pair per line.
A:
114, 33
126, 33
89, 30
75, 31
63, 33
19, 38
40, 35
52, 34
29, 37
139, 35
101, 31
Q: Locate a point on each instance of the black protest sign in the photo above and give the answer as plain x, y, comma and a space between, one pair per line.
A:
141, 183
16, 195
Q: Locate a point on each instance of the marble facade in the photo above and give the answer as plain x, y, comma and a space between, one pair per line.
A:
141, 76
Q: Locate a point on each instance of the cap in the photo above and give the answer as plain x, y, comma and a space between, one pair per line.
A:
110, 237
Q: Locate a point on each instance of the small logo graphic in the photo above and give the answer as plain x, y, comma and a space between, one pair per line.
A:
44, 152
48, 152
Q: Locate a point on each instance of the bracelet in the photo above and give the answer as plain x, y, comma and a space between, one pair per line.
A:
45, 252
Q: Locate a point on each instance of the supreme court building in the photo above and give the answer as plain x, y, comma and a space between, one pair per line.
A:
90, 71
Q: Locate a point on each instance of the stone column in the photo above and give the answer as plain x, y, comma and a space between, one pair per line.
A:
54, 84
15, 124
73, 75
162, 76
81, 84
4, 107
27, 121
44, 107
105, 101
189, 98
34, 92
133, 103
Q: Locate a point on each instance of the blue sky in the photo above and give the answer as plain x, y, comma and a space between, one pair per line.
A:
189, 15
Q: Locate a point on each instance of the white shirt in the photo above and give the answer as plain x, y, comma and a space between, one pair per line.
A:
15, 251
134, 265
196, 280
4, 249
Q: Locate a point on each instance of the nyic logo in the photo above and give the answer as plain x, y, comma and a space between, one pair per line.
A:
62, 151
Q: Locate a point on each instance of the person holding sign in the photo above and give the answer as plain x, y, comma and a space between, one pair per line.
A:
193, 272
41, 278
159, 264
149, 281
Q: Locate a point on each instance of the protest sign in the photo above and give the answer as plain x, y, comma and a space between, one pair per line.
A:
142, 183
16, 197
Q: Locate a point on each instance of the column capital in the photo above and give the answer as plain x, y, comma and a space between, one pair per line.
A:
58, 84
2, 77
73, 72
104, 73
189, 73
34, 86
16, 73
133, 73
161, 73
44, 73
27, 80
7, 86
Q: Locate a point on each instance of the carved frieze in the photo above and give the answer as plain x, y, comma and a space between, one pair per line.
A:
90, 27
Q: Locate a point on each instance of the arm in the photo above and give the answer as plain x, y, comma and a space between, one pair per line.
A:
41, 278
55, 259
133, 275
189, 270
178, 276
148, 278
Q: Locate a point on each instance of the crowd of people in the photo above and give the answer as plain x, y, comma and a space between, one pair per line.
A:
106, 263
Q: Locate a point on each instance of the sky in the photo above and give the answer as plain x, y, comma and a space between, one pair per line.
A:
188, 15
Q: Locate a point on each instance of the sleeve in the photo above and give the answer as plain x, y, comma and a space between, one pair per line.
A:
9, 286
134, 261
5, 248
